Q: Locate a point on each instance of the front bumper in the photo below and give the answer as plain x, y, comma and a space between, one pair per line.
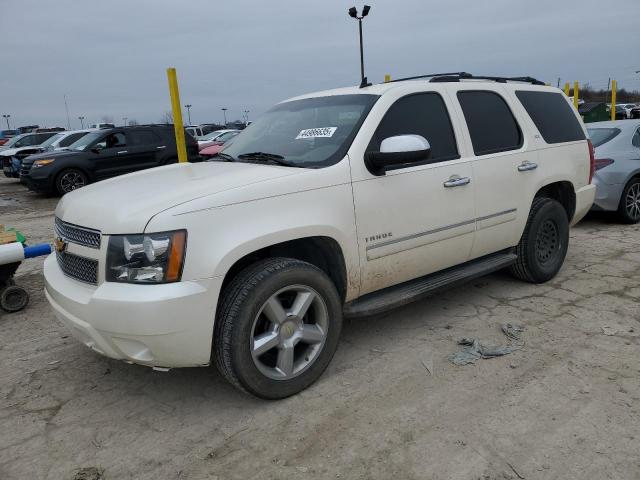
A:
167, 325
584, 200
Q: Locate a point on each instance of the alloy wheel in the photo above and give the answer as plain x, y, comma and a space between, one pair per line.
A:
71, 181
289, 332
632, 201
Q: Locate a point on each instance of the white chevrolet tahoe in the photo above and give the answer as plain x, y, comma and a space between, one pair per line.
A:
341, 203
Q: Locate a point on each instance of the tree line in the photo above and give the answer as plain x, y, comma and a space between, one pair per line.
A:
590, 94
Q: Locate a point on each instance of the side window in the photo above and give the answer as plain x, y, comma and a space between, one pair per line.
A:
552, 115
26, 141
636, 139
113, 140
143, 137
491, 124
422, 114
69, 139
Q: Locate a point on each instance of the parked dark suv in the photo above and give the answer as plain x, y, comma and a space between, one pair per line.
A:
104, 154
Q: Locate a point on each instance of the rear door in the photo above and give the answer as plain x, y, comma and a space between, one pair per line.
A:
145, 147
504, 169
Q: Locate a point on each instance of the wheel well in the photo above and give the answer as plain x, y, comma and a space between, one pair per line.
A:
323, 252
564, 193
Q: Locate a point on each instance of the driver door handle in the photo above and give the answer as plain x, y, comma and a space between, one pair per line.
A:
526, 166
456, 181
122, 151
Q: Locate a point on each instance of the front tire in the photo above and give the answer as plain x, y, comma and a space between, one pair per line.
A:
544, 243
629, 206
70, 179
277, 327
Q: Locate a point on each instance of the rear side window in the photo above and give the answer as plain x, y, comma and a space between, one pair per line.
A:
636, 139
552, 115
600, 136
143, 137
69, 139
422, 114
491, 124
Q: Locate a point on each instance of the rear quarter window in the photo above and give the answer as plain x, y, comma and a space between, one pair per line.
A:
552, 115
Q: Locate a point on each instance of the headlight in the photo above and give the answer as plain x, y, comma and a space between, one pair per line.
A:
152, 258
42, 162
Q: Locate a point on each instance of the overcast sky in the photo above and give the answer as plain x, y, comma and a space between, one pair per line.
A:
109, 56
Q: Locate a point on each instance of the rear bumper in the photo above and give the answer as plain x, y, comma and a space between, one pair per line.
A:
607, 195
584, 201
169, 325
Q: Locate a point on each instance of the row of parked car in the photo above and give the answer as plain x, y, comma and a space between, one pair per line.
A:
59, 162
626, 110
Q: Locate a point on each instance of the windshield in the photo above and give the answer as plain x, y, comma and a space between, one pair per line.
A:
211, 136
85, 141
226, 136
51, 140
313, 132
15, 140
600, 136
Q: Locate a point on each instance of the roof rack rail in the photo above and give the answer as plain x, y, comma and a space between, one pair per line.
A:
457, 76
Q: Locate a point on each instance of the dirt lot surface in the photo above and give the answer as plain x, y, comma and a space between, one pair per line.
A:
391, 405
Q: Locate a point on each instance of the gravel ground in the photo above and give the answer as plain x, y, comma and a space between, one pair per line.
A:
390, 405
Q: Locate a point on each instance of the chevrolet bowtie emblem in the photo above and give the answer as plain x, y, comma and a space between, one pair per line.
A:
60, 244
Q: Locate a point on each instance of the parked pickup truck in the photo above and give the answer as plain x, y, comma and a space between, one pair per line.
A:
341, 203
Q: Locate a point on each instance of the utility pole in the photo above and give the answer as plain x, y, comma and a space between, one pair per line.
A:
124, 121
6, 117
558, 82
246, 117
353, 13
66, 107
224, 113
188, 107
81, 118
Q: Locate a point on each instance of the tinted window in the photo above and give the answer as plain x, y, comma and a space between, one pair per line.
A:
26, 141
491, 124
422, 114
143, 137
636, 139
552, 115
600, 136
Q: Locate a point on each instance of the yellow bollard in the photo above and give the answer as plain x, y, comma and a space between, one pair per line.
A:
614, 86
567, 89
387, 78
177, 114
575, 94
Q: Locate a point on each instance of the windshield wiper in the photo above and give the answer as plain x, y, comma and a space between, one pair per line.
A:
269, 157
224, 156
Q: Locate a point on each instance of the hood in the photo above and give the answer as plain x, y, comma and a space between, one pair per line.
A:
48, 154
125, 204
10, 152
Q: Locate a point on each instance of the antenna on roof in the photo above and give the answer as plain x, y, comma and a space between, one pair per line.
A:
353, 13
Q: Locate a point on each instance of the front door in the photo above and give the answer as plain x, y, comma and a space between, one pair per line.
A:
418, 218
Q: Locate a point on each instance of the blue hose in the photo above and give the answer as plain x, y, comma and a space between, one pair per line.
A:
37, 250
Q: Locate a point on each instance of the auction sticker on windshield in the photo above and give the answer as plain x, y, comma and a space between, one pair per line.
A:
322, 132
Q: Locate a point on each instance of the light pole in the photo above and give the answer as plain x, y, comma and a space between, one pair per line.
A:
188, 107
81, 118
6, 117
353, 13
246, 117
224, 113
124, 120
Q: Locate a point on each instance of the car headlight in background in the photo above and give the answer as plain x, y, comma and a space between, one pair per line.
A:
43, 162
150, 258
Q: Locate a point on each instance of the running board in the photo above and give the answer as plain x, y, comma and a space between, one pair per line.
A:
407, 292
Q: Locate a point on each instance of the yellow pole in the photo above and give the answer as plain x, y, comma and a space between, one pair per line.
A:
575, 94
567, 89
614, 86
177, 114
387, 78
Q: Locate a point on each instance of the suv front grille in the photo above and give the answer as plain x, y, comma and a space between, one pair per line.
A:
75, 234
81, 268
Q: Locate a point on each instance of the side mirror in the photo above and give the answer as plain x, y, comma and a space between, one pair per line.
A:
398, 150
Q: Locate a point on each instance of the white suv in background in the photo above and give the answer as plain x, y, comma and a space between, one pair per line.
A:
339, 203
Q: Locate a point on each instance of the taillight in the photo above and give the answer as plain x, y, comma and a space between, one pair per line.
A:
592, 160
603, 162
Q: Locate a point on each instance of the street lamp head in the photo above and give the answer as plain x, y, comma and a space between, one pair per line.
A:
353, 12
365, 10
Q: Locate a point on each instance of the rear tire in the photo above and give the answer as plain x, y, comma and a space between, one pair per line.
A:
629, 206
544, 243
277, 327
70, 179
